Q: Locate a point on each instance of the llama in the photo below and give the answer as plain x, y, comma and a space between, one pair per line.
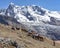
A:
53, 43
24, 30
13, 28
31, 33
17, 28
41, 38
37, 36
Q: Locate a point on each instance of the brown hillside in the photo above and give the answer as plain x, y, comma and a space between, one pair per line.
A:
22, 39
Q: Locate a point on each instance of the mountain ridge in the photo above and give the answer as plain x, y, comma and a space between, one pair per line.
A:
43, 21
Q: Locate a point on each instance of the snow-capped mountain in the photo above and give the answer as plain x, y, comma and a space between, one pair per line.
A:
2, 11
43, 21
33, 14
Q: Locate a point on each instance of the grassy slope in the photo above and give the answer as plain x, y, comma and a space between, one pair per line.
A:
22, 38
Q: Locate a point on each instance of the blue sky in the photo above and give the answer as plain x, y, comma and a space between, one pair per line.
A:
48, 4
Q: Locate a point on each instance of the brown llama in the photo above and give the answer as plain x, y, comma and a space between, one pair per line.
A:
17, 28
37, 36
53, 43
29, 33
41, 38
24, 30
13, 28
32, 33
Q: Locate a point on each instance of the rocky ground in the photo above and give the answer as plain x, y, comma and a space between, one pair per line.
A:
18, 39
